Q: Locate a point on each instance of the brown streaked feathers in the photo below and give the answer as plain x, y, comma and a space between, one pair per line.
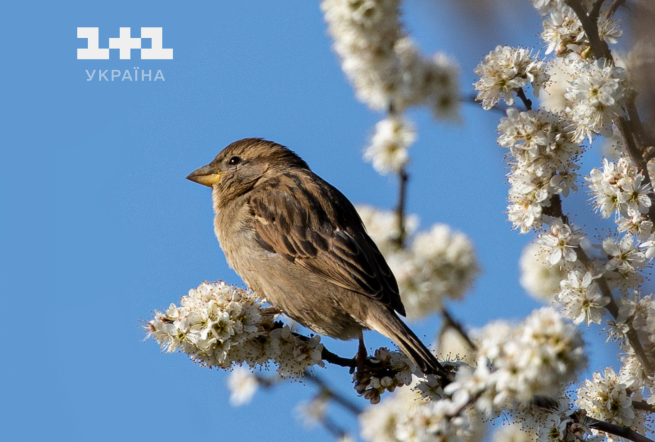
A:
291, 221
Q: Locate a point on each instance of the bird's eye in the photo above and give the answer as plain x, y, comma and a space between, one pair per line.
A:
234, 161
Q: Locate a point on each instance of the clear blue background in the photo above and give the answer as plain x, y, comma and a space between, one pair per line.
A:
99, 226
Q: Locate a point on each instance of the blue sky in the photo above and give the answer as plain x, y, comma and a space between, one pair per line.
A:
99, 226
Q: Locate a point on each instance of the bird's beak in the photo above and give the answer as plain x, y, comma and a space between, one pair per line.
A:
207, 175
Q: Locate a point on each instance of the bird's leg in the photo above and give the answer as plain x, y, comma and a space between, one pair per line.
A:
361, 358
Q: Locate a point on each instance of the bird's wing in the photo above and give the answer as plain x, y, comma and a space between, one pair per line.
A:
313, 225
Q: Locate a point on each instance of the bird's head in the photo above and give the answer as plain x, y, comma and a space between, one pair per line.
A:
238, 167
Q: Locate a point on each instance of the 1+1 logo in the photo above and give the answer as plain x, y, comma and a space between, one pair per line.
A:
124, 43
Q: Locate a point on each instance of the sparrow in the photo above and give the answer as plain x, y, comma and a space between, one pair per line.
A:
299, 243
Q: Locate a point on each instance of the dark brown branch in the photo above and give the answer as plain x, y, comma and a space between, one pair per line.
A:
370, 365
595, 10
400, 208
526, 101
598, 46
616, 430
332, 358
451, 322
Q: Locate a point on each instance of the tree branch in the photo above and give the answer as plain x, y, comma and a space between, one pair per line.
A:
451, 322
595, 10
334, 359
471, 99
332, 394
590, 25
616, 430
613, 8
370, 364
526, 101
555, 210
400, 209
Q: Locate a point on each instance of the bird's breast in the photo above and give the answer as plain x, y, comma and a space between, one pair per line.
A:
235, 233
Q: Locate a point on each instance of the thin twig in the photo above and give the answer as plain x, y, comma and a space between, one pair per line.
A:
598, 46
595, 10
450, 321
403, 177
613, 8
471, 99
332, 394
526, 101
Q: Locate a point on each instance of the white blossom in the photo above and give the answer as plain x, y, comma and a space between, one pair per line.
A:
243, 386
388, 149
595, 97
649, 245
542, 161
220, 325
379, 422
538, 277
383, 63
546, 6
564, 34
504, 71
554, 428
619, 187
382, 226
581, 298
312, 412
559, 243
551, 96
429, 388
439, 263
606, 398
516, 362
512, 433
433, 422
397, 363
623, 254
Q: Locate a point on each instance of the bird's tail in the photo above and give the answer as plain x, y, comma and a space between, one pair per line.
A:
395, 329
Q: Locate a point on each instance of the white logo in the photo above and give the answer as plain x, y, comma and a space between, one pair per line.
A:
124, 43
